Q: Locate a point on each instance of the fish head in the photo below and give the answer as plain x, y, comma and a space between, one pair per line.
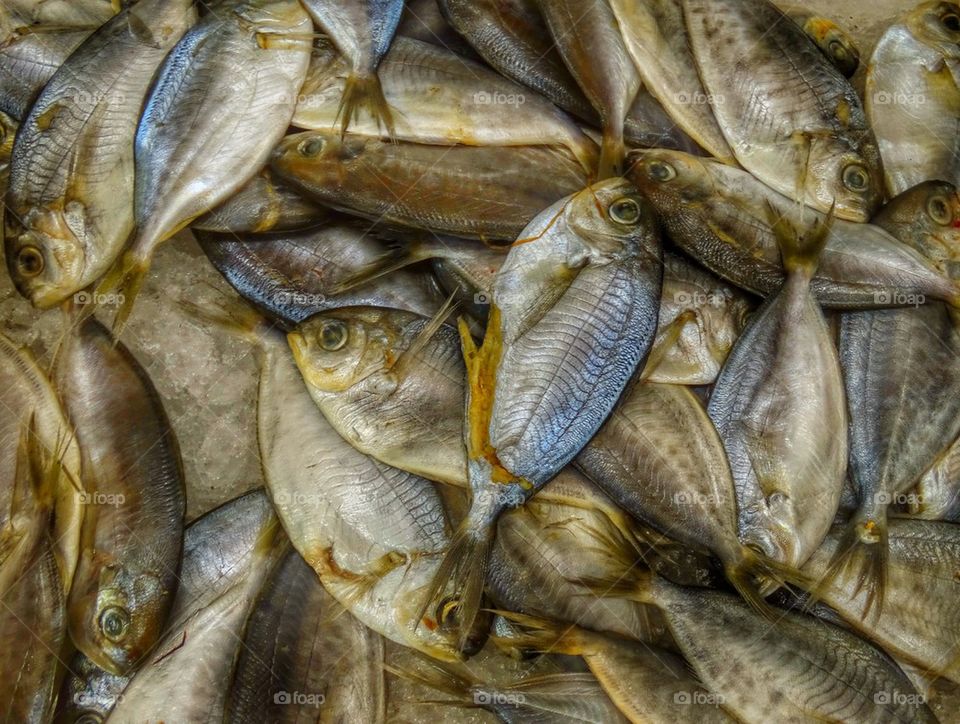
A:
846, 179
46, 251
937, 25
927, 218
835, 42
321, 156
670, 179
772, 526
117, 621
613, 220
337, 349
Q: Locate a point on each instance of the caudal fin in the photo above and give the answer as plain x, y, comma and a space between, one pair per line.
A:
613, 152
755, 576
121, 286
799, 247
364, 93
399, 256
540, 635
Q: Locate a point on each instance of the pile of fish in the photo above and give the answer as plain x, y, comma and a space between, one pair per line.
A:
612, 341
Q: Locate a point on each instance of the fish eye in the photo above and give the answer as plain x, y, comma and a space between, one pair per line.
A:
837, 50
447, 611
88, 718
310, 147
114, 622
30, 261
951, 21
333, 335
856, 178
662, 172
939, 210
625, 211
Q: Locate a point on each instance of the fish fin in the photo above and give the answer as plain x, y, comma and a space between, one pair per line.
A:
363, 92
399, 256
352, 586
613, 151
461, 576
236, 319
123, 281
406, 358
539, 634
667, 341
748, 573
441, 677
799, 249
865, 538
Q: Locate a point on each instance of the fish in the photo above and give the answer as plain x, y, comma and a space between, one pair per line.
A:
700, 319
778, 405
27, 393
362, 30
443, 99
420, 186
655, 36
573, 315
295, 275
221, 101
134, 501
919, 623
424, 20
188, 673
718, 215
609, 79
262, 206
65, 12
912, 97
69, 207
835, 42
646, 683
8, 131
790, 117
936, 495
900, 369
88, 691
299, 657
32, 615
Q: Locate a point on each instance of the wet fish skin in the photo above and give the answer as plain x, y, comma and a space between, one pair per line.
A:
87, 690
93, 13
937, 494
294, 275
833, 40
790, 117
70, 199
132, 531
421, 186
609, 79
717, 214
912, 97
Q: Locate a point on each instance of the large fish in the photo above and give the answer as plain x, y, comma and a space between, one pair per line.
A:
788, 114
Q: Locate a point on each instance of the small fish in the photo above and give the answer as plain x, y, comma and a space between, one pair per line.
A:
788, 114
912, 96
609, 79
221, 101
719, 215
835, 42
134, 504
362, 30
420, 186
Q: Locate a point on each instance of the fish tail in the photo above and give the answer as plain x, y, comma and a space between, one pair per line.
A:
457, 586
635, 584
364, 92
399, 255
538, 634
440, 677
799, 248
122, 284
756, 576
613, 151
864, 543
235, 318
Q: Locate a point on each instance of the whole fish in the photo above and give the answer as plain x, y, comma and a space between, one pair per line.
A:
779, 408
609, 79
289, 667
647, 684
655, 36
32, 614
26, 393
362, 30
443, 99
574, 314
719, 215
69, 209
188, 676
834, 41
221, 101
902, 374
788, 114
134, 505
912, 96
917, 628
422, 186
261, 206
295, 275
